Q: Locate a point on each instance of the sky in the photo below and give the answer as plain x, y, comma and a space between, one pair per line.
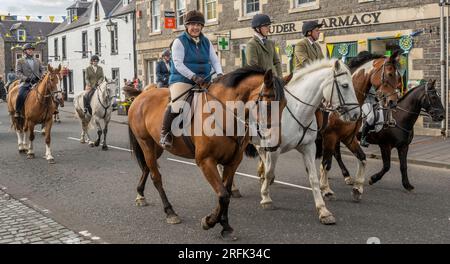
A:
35, 8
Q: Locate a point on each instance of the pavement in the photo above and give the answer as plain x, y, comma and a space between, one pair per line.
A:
424, 150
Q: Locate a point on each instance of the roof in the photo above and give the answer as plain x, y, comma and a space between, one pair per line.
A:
122, 10
83, 19
34, 29
80, 4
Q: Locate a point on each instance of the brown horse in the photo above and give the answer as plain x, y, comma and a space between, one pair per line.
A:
145, 116
368, 70
38, 109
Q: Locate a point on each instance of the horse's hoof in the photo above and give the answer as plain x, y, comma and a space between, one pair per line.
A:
104, 147
371, 182
91, 144
82, 141
141, 202
173, 220
409, 187
329, 196
96, 144
356, 195
22, 151
328, 220
51, 161
268, 206
205, 225
30, 156
349, 180
236, 194
228, 236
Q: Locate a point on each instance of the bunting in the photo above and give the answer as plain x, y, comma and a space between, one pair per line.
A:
4, 17
75, 18
28, 18
330, 48
39, 17
51, 18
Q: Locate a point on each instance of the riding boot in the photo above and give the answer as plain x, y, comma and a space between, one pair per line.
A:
166, 134
365, 131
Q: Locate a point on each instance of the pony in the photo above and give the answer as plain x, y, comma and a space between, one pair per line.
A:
368, 70
101, 110
400, 136
39, 107
247, 85
328, 80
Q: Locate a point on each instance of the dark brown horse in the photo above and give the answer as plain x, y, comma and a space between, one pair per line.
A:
145, 118
39, 107
368, 70
424, 97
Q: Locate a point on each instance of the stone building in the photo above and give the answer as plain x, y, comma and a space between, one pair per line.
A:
14, 34
351, 26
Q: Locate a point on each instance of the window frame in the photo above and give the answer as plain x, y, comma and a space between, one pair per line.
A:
153, 16
19, 39
98, 41
114, 35
63, 48
307, 4
246, 13
85, 45
96, 11
177, 15
205, 9
55, 49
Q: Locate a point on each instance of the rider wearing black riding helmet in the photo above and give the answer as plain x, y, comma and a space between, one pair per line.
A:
307, 50
94, 76
261, 50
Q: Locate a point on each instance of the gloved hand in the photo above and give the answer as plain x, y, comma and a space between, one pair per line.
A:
34, 80
28, 79
218, 76
198, 80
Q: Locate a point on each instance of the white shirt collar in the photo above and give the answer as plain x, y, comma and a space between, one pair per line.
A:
260, 37
310, 41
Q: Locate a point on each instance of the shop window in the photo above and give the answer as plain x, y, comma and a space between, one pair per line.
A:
345, 50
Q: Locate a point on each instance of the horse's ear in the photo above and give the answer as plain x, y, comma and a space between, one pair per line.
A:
59, 68
49, 68
106, 79
337, 65
288, 78
268, 78
395, 56
431, 83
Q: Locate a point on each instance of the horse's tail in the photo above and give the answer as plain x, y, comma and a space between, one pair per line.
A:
319, 147
17, 123
136, 149
250, 151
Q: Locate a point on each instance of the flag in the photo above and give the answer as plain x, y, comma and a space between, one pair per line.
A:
40, 17
51, 18
28, 17
63, 17
75, 18
330, 48
2, 18
14, 17
8, 35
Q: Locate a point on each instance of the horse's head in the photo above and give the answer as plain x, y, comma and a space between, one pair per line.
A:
386, 77
53, 84
431, 102
340, 94
108, 89
270, 92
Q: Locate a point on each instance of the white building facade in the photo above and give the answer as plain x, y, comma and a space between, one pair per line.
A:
100, 27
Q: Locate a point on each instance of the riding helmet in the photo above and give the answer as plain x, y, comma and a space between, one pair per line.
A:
260, 20
310, 26
194, 16
95, 58
166, 52
28, 46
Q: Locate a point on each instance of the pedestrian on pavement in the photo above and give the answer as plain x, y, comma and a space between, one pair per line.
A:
307, 50
261, 50
94, 76
10, 78
163, 70
29, 71
193, 56
2, 90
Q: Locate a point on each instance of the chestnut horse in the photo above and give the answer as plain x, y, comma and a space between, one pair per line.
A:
39, 107
368, 70
145, 116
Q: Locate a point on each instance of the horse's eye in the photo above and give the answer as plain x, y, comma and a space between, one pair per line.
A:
345, 86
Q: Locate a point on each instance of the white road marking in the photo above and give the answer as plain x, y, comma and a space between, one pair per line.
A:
193, 164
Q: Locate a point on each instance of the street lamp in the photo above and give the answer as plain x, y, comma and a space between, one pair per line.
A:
110, 25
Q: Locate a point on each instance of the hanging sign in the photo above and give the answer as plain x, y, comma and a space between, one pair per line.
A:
406, 43
343, 49
169, 20
223, 43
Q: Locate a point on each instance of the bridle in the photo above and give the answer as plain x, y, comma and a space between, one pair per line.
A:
109, 98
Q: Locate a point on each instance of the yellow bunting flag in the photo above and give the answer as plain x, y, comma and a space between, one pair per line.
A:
362, 41
8, 35
28, 18
330, 48
75, 18
2, 18
398, 35
51, 18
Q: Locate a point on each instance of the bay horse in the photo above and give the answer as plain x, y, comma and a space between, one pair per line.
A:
328, 80
101, 105
368, 70
39, 107
406, 113
145, 116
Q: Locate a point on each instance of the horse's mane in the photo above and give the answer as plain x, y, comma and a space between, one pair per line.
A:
362, 58
410, 91
234, 78
315, 66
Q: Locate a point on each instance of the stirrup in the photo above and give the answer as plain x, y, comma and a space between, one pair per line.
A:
364, 143
166, 141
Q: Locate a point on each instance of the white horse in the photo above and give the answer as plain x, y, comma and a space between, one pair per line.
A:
101, 110
325, 80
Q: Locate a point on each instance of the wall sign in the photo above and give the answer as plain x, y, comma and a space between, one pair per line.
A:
169, 20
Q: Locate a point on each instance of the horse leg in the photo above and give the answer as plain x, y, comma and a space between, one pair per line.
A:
386, 156
403, 157
99, 132
30, 131
325, 167
48, 151
105, 131
309, 152
20, 142
209, 169
337, 155
269, 160
235, 193
358, 184
228, 178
